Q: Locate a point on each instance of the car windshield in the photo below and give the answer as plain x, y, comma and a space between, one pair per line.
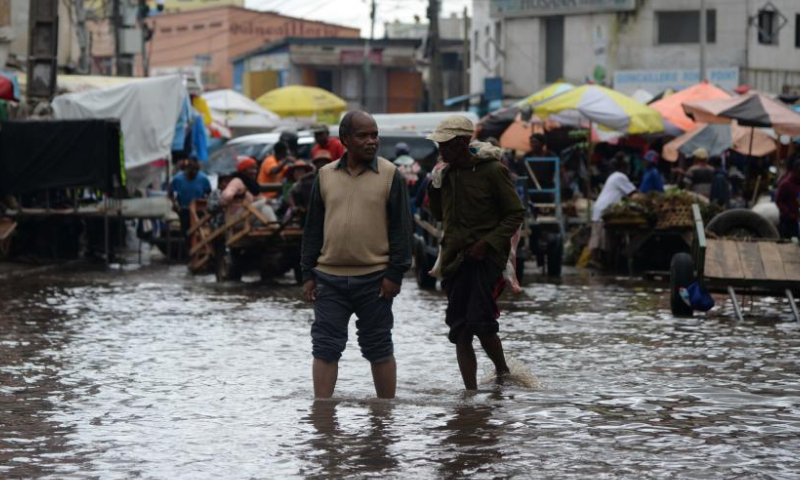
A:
422, 150
223, 161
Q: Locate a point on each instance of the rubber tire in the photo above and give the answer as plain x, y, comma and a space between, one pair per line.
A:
555, 254
681, 274
739, 218
227, 269
421, 268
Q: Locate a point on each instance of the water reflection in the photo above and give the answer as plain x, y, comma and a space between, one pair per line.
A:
473, 438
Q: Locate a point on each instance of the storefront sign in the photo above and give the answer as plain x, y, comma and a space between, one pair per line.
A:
656, 81
171, 6
356, 57
539, 8
276, 61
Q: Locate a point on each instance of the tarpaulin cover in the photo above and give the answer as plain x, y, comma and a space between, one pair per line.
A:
37, 155
147, 110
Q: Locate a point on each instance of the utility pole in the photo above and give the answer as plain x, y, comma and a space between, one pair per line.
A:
83, 37
368, 55
465, 59
435, 69
703, 35
116, 25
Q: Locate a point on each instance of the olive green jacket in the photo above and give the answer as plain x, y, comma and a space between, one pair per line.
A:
476, 202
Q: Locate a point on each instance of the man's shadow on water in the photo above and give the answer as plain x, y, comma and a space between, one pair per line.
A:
340, 453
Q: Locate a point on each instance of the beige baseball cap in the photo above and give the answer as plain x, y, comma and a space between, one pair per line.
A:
452, 127
700, 153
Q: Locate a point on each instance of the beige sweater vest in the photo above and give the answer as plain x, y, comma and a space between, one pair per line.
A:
356, 232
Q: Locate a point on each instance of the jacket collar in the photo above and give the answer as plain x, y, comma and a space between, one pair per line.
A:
343, 163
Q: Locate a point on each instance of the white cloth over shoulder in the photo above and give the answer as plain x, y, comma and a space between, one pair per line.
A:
616, 188
147, 110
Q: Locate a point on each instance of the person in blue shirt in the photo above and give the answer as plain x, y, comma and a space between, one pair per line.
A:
188, 185
651, 181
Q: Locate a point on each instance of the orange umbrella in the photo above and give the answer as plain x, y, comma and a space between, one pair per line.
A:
718, 138
671, 107
517, 135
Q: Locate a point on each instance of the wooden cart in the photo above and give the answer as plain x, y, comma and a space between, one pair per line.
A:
731, 265
248, 241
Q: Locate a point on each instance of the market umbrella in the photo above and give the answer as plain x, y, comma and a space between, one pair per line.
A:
717, 138
549, 91
605, 107
6, 89
751, 110
495, 123
671, 107
643, 96
301, 101
231, 102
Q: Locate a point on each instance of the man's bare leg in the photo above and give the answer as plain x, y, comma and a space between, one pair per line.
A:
494, 349
384, 375
325, 375
467, 362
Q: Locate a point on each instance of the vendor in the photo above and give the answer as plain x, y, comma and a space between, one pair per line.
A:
189, 185
700, 175
787, 198
617, 187
236, 194
651, 181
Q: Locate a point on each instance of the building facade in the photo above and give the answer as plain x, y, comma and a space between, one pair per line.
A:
393, 84
209, 39
640, 43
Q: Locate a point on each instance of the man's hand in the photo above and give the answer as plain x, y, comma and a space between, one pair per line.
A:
310, 290
478, 250
389, 289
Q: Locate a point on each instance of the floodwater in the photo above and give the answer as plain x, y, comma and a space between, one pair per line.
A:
151, 373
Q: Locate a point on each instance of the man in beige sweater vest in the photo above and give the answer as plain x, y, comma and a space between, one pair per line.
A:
356, 248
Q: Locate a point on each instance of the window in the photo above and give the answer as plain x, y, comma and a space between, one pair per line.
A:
166, 30
215, 25
797, 31
199, 26
767, 27
683, 26
475, 44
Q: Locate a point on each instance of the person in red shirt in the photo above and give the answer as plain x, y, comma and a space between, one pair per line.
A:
324, 142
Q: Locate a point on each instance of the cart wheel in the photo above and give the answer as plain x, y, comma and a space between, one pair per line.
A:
741, 223
227, 270
421, 268
555, 254
681, 275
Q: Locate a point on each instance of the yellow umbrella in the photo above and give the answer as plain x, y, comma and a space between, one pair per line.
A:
301, 101
549, 91
603, 106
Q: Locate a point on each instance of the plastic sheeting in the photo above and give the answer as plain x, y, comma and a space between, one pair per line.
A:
147, 111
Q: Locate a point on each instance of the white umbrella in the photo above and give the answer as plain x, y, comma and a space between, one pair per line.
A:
230, 102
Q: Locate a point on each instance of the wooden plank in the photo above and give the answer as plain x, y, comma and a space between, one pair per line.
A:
732, 265
199, 224
260, 216
771, 258
750, 259
239, 235
714, 259
220, 231
7, 227
790, 255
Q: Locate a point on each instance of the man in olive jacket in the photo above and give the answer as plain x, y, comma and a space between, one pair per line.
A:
475, 199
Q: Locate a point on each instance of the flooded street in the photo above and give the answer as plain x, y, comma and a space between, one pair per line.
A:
152, 373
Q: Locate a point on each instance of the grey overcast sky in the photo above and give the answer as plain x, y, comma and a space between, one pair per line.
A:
355, 13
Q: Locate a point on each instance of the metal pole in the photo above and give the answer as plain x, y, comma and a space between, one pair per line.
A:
115, 24
367, 53
465, 62
435, 69
703, 35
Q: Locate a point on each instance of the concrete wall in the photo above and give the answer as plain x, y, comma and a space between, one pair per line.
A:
68, 50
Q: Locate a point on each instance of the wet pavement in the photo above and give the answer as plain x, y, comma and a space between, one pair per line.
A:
152, 373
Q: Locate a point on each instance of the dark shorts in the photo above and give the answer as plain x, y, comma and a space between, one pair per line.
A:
471, 299
338, 298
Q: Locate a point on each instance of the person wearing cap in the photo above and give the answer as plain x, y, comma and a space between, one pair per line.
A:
616, 187
700, 175
186, 186
651, 181
301, 191
471, 192
274, 167
356, 248
237, 193
322, 137
408, 167
294, 173
787, 198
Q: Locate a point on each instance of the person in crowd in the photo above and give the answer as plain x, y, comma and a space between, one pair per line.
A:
720, 184
188, 185
301, 191
651, 181
291, 140
294, 174
356, 243
407, 166
617, 187
274, 167
474, 197
237, 193
538, 150
787, 198
324, 141
700, 175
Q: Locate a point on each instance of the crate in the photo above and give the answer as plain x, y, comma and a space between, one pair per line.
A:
674, 216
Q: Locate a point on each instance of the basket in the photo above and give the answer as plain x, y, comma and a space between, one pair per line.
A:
674, 216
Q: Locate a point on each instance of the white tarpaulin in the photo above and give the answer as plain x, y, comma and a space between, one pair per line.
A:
147, 110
